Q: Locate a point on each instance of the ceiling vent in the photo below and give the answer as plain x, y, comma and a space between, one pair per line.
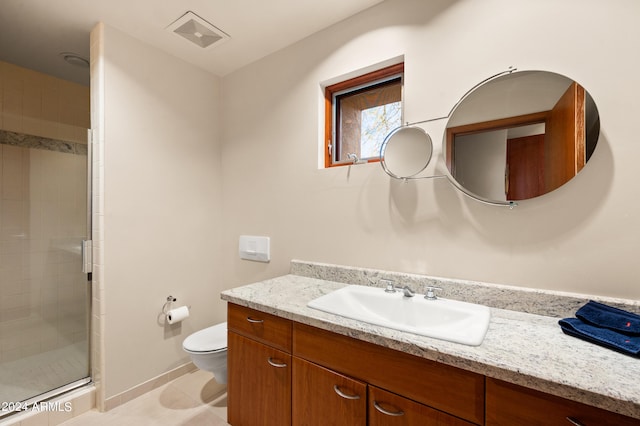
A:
197, 30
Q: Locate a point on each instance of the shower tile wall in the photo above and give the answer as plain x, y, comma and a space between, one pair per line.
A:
39, 281
98, 310
43, 296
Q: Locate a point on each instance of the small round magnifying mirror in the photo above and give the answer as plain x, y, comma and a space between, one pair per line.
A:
405, 152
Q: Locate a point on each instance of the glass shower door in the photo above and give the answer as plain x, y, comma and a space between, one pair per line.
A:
44, 295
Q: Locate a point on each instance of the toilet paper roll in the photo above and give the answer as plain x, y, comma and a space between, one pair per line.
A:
178, 314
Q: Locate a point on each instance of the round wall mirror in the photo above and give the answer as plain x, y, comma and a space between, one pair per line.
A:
520, 135
405, 152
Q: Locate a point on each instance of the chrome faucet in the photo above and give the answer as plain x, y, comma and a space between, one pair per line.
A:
392, 288
431, 295
407, 291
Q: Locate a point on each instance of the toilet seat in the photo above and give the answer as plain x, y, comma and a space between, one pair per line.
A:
208, 340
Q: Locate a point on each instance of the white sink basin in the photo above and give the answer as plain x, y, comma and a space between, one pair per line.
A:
444, 319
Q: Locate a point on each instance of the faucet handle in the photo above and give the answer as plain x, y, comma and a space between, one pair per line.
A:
390, 286
431, 295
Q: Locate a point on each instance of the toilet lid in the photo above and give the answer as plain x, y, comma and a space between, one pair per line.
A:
207, 340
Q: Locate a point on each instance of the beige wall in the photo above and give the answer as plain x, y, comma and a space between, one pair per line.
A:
581, 238
157, 213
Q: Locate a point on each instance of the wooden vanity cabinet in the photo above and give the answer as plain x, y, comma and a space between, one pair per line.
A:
282, 373
439, 386
509, 404
324, 397
259, 364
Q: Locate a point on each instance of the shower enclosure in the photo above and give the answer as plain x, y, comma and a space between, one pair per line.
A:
44, 294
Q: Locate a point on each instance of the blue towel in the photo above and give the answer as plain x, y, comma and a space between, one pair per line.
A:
609, 317
608, 338
606, 326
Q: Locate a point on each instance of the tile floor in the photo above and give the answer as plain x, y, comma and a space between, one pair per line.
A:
192, 399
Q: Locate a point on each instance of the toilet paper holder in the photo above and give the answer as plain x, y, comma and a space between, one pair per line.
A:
170, 300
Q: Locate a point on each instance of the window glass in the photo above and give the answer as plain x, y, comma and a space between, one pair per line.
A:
377, 122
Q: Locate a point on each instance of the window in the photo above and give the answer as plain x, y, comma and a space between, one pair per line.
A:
359, 113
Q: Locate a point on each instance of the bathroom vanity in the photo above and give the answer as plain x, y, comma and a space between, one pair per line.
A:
290, 364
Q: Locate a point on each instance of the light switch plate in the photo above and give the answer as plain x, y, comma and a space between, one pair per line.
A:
255, 248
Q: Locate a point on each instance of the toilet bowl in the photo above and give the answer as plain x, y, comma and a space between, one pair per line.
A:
208, 350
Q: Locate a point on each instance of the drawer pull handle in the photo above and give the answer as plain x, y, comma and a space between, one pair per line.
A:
388, 413
344, 395
272, 362
575, 422
255, 321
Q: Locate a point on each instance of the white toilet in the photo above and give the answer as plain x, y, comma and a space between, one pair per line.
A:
208, 350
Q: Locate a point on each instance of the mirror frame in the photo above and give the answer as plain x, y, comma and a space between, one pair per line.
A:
389, 137
506, 122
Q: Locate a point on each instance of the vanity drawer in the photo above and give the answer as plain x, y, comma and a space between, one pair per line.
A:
509, 404
439, 386
388, 409
262, 327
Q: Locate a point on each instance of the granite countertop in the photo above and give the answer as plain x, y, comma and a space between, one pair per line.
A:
523, 348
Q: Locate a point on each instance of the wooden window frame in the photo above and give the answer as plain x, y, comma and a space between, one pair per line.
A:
371, 78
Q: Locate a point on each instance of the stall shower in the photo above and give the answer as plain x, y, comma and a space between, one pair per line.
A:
44, 295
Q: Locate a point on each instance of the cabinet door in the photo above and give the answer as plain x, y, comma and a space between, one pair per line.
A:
388, 409
509, 404
323, 397
259, 383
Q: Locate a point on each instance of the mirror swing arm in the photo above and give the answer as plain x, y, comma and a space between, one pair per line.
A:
412, 176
